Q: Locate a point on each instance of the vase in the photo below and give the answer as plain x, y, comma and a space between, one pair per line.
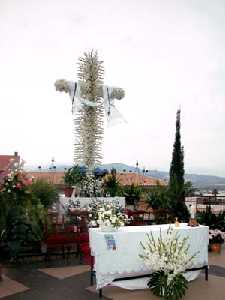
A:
216, 248
108, 228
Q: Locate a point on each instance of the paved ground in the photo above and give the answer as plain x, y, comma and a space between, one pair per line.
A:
42, 286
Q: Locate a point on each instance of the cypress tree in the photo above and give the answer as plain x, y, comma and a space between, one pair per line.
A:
176, 183
177, 163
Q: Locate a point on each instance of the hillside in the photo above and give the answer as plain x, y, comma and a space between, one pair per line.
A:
199, 181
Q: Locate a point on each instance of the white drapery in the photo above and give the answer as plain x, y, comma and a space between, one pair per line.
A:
113, 116
125, 260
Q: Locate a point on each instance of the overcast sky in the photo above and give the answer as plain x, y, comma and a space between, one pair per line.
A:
166, 54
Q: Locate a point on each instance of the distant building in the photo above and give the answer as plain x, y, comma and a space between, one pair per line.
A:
55, 178
201, 203
127, 179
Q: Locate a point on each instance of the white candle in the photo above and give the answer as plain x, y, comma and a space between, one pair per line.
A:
192, 211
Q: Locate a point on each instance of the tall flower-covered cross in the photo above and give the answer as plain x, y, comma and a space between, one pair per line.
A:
90, 98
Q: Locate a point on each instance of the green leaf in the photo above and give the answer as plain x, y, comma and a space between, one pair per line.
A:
174, 291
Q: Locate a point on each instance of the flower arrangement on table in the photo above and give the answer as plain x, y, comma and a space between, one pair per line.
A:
216, 236
106, 215
167, 256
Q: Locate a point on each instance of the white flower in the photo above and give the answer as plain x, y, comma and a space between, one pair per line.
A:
158, 256
107, 213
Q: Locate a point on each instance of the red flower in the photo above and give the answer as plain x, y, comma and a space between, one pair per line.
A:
18, 185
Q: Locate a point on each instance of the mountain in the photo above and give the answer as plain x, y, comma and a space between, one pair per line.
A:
206, 181
199, 181
125, 168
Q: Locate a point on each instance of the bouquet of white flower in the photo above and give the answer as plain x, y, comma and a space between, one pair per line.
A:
168, 258
216, 236
107, 214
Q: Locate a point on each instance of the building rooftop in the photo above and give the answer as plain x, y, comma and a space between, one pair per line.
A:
125, 179
138, 179
53, 177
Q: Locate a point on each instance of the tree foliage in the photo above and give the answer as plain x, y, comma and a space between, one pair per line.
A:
74, 175
176, 190
170, 201
45, 192
22, 214
21, 231
189, 189
111, 184
175, 290
132, 193
158, 198
177, 163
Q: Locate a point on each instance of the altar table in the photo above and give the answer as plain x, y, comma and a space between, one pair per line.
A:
124, 260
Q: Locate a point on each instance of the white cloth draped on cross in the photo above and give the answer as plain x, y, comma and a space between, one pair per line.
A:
109, 94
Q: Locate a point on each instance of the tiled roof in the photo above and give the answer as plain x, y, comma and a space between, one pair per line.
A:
138, 179
56, 177
51, 177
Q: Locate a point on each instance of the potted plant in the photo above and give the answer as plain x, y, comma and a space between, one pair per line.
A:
73, 176
168, 266
216, 238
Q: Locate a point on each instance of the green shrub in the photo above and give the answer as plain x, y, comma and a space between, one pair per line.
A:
167, 206
111, 185
133, 191
45, 192
209, 219
23, 213
74, 176
19, 232
158, 198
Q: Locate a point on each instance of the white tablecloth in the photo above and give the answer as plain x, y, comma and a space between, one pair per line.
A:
125, 260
